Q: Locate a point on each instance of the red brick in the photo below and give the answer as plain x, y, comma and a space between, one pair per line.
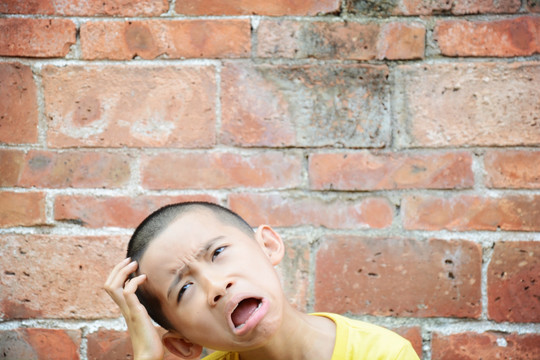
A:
18, 104
118, 211
470, 212
281, 211
294, 271
42, 344
402, 41
114, 106
427, 113
11, 164
221, 170
488, 345
54, 276
114, 345
172, 39
36, 37
85, 8
399, 277
257, 7
305, 105
373, 171
512, 169
432, 7
72, 168
513, 282
503, 38
21, 209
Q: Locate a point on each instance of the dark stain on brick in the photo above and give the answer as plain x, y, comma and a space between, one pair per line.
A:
330, 106
13, 345
39, 162
534, 5
19, 309
372, 7
520, 36
320, 41
316, 43
139, 38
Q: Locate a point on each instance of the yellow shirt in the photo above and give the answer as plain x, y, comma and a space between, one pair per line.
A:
355, 340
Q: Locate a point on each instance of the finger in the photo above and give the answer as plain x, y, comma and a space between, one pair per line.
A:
116, 269
130, 289
121, 275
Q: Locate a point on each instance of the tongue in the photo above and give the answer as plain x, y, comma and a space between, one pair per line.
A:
243, 311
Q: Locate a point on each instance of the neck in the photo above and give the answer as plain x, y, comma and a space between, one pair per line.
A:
299, 337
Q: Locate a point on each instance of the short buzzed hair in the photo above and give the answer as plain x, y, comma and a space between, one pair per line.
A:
155, 224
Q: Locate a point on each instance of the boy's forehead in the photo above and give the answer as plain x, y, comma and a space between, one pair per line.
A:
190, 227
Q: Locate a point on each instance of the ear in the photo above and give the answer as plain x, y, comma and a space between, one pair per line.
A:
181, 347
271, 243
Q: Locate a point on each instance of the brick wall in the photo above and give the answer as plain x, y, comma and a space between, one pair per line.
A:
393, 144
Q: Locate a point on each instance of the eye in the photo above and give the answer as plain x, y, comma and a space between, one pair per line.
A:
182, 291
218, 251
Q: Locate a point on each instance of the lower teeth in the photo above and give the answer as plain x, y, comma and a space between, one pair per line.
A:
257, 308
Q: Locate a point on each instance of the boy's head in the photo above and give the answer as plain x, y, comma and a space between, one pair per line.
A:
210, 278
156, 223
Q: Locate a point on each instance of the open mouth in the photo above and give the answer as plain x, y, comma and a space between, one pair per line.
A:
244, 310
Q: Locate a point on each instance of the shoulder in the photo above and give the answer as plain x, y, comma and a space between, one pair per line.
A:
362, 340
361, 327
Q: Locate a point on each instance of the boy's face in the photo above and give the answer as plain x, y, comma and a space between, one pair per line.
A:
217, 286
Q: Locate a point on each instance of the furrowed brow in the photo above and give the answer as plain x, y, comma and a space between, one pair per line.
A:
204, 250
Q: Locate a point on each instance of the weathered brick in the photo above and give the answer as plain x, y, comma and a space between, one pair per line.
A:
503, 38
114, 345
118, 106
21, 209
282, 211
257, 7
221, 170
513, 282
42, 344
53, 276
118, 211
11, 164
533, 5
472, 212
339, 40
72, 168
512, 169
307, 105
427, 109
294, 271
321, 40
85, 8
431, 7
372, 171
487, 345
36, 37
18, 104
230, 38
399, 277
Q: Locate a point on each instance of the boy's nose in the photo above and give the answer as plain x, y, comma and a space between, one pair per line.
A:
217, 290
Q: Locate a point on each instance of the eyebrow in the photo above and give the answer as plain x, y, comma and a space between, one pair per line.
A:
204, 250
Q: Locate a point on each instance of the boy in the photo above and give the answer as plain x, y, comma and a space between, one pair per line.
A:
202, 273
